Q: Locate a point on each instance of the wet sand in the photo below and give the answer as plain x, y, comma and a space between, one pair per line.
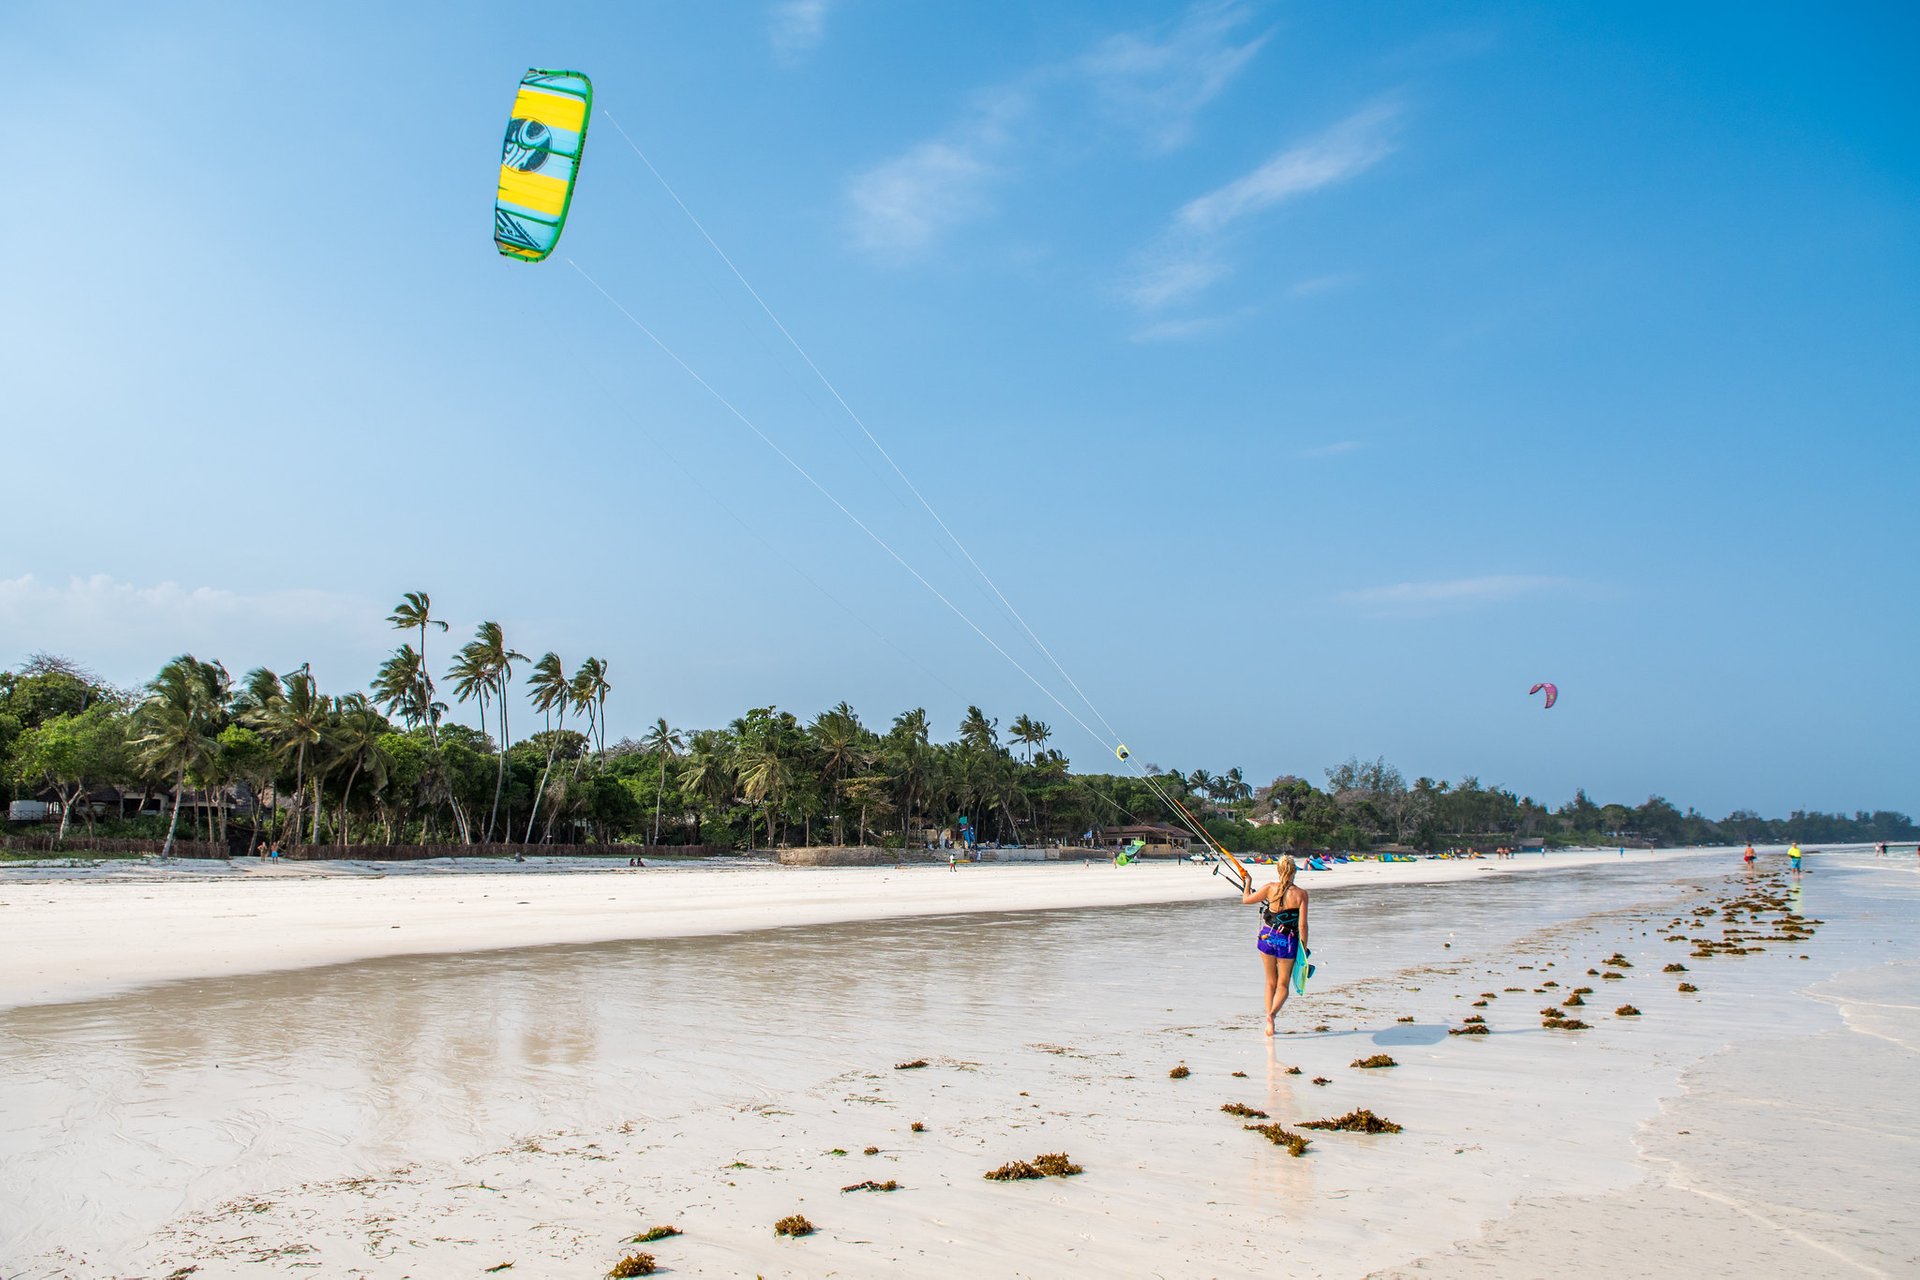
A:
68, 935
443, 1114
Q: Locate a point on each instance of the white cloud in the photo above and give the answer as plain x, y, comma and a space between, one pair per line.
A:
126, 630
1451, 595
1151, 82
1345, 151
902, 206
1157, 83
1333, 450
1186, 259
797, 27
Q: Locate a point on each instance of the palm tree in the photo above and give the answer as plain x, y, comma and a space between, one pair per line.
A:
482, 670
292, 715
764, 780
182, 704
709, 771
550, 692
909, 752
1030, 731
840, 746
357, 730
415, 611
667, 743
976, 730
591, 679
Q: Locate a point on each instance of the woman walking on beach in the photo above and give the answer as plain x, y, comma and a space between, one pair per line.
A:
1283, 932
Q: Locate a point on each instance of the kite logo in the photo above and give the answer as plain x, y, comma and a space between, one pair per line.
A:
527, 145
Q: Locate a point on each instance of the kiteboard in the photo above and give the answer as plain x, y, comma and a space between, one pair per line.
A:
1303, 968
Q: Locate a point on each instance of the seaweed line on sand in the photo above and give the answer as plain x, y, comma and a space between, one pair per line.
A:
1295, 1144
1360, 1120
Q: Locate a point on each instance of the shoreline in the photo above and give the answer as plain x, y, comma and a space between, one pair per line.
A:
73, 938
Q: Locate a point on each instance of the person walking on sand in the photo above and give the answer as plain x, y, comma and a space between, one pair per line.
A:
1748, 856
1283, 932
1793, 856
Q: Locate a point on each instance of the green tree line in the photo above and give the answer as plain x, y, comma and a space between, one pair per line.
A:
388, 765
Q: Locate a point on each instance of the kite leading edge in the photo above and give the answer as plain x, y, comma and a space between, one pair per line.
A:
539, 161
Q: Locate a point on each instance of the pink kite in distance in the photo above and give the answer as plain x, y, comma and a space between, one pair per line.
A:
1553, 693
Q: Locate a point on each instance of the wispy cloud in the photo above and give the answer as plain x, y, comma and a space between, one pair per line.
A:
1180, 330
1322, 284
1150, 83
1188, 257
1333, 450
902, 206
1157, 81
1450, 595
797, 27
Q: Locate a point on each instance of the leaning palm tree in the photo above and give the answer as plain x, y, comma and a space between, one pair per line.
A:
666, 743
182, 705
550, 693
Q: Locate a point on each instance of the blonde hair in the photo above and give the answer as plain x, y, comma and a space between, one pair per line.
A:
1285, 869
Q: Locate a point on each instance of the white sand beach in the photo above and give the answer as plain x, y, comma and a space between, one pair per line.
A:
246, 1075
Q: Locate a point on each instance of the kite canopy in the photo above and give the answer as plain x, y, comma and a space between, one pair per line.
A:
539, 161
1553, 693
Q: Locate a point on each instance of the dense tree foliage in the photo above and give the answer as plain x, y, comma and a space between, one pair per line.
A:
388, 766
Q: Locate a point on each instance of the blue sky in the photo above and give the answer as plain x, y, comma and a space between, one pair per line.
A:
1313, 379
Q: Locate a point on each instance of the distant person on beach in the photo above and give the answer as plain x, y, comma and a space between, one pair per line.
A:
263, 851
1283, 932
1748, 856
1793, 856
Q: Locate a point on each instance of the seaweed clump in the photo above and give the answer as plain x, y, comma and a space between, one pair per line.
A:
871, 1185
1408, 1018
1292, 1071
1358, 1121
795, 1225
1179, 1073
1054, 1164
634, 1264
1626, 1011
1675, 967
1686, 988
1321, 1080
1563, 1024
654, 1233
871, 1151
1471, 1029
1295, 1144
1618, 961
916, 1064
1375, 1061
1242, 1110
1239, 1075
1573, 1001
918, 1127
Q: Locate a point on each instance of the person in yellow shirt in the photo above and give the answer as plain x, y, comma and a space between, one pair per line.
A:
1793, 855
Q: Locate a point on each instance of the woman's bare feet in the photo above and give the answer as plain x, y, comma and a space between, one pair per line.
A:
1269, 1031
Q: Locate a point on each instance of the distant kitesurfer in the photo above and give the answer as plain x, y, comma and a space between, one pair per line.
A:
1283, 932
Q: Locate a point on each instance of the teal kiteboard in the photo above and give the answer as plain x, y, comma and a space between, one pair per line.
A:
1302, 970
